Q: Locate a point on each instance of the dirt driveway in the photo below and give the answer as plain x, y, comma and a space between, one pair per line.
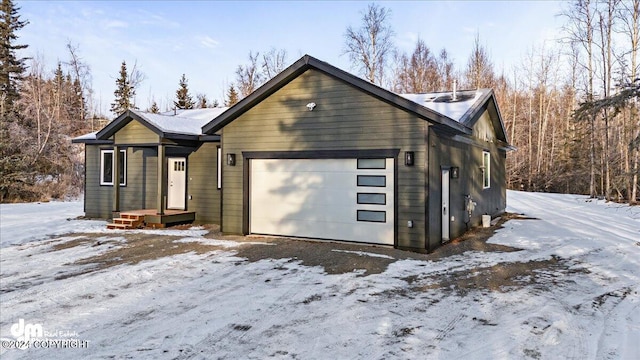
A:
333, 257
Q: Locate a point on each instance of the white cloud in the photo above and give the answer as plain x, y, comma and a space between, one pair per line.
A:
208, 42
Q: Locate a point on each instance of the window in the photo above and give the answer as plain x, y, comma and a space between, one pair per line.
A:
372, 180
486, 170
372, 216
106, 167
372, 198
219, 162
372, 163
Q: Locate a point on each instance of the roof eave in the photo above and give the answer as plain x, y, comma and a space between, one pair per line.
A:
122, 120
486, 102
91, 141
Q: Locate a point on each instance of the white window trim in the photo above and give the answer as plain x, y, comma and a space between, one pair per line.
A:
486, 169
219, 167
113, 164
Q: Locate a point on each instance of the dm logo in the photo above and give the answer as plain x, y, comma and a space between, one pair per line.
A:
24, 332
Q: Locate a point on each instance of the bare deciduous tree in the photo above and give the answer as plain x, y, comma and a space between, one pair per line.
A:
479, 73
417, 73
249, 77
273, 62
370, 45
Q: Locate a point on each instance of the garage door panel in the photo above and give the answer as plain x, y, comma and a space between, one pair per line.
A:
332, 230
318, 199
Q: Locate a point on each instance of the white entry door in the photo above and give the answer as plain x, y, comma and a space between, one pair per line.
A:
445, 205
337, 199
176, 183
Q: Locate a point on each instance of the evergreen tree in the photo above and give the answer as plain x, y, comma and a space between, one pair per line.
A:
232, 96
11, 67
154, 108
184, 100
215, 103
124, 92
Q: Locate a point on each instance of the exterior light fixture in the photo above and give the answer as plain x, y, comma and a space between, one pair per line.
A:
409, 158
311, 106
455, 172
231, 159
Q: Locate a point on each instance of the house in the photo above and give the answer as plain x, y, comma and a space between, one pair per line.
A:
136, 140
318, 153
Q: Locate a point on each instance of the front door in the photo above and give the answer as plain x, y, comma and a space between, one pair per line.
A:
176, 183
445, 205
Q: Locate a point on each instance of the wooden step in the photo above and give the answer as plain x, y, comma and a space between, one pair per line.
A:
127, 221
132, 216
130, 222
119, 226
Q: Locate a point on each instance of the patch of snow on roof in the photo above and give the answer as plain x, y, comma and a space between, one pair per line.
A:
451, 109
184, 122
89, 136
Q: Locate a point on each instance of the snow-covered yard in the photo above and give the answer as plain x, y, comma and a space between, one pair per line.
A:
579, 300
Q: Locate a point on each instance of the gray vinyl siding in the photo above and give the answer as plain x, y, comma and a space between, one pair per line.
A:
135, 133
444, 152
344, 119
97, 199
202, 184
139, 192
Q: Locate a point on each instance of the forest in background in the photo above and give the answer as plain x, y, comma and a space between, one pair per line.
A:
570, 107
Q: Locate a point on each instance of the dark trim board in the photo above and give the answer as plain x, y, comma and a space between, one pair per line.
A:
246, 170
320, 154
92, 142
395, 201
323, 154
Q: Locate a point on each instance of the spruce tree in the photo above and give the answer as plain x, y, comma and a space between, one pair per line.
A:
11, 67
184, 100
154, 108
124, 92
232, 96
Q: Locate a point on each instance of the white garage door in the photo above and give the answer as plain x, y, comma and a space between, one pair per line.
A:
341, 199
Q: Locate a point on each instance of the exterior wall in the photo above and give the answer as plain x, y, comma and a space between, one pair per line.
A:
141, 189
135, 133
202, 184
141, 185
97, 199
446, 152
483, 129
344, 119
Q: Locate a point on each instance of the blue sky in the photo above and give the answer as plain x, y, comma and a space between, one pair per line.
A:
207, 40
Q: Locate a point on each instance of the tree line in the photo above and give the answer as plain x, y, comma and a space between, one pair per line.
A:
569, 107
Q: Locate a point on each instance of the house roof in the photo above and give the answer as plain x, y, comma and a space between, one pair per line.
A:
466, 108
308, 62
182, 124
452, 115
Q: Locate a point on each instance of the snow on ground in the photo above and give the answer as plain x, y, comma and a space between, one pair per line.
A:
20, 223
581, 302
